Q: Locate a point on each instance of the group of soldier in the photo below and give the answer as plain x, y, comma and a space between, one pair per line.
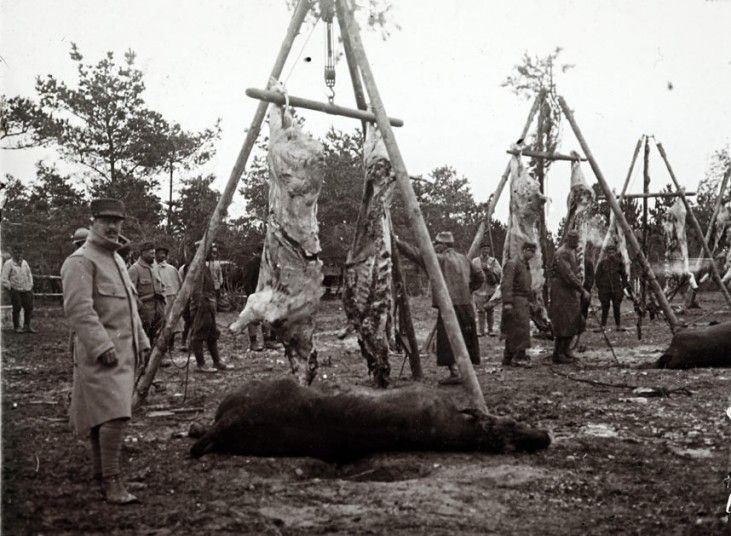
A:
472, 287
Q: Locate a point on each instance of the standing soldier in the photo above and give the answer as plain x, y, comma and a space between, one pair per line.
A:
203, 326
150, 291
491, 269
17, 279
171, 281
461, 277
214, 265
566, 291
100, 306
517, 294
611, 280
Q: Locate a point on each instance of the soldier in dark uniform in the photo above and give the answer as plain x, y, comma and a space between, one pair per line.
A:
611, 280
462, 277
517, 294
566, 291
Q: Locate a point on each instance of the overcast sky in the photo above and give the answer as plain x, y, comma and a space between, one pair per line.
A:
441, 73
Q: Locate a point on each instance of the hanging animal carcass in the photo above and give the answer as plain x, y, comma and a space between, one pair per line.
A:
579, 216
526, 205
290, 278
281, 418
367, 297
676, 248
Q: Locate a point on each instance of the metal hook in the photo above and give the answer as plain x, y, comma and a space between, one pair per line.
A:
331, 97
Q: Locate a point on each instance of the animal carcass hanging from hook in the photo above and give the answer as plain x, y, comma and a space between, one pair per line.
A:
290, 278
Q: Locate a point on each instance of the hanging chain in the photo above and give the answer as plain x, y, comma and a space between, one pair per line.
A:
327, 12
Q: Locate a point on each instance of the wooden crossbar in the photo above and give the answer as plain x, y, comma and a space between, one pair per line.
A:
325, 107
546, 156
656, 194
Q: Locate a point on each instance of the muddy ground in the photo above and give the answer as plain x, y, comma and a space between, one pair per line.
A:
619, 462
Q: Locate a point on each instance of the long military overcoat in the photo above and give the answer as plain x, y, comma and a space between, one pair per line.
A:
101, 308
566, 288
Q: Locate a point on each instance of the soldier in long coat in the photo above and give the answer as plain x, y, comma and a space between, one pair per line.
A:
462, 277
493, 272
611, 280
108, 341
517, 294
566, 292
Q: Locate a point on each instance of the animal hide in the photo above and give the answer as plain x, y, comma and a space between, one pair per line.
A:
281, 418
367, 296
290, 277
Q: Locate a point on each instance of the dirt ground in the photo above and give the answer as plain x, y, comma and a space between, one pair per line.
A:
619, 462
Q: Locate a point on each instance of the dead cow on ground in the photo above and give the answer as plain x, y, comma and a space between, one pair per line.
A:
708, 346
281, 418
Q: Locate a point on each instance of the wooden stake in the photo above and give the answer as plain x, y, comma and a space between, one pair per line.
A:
652, 195
360, 98
546, 156
492, 202
697, 226
219, 212
645, 212
716, 210
416, 219
669, 314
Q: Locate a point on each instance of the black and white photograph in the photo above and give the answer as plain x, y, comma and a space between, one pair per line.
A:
303, 267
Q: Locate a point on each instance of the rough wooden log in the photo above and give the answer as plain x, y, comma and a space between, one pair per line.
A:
325, 107
669, 314
546, 156
697, 226
416, 219
219, 212
651, 195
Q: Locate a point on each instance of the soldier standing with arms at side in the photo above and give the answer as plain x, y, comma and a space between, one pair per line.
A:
566, 292
611, 280
101, 309
171, 281
17, 279
516, 295
493, 272
150, 291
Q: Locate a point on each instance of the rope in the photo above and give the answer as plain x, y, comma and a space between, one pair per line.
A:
297, 59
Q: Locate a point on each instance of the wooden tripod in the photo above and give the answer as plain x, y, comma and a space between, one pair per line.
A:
359, 63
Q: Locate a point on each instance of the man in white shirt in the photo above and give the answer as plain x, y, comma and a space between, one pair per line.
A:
17, 279
171, 281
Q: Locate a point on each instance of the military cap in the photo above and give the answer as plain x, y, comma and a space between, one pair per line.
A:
573, 233
109, 208
162, 248
529, 245
80, 234
144, 246
445, 237
485, 244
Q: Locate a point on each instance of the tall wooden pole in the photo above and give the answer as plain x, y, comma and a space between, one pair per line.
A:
645, 213
717, 209
697, 226
541, 176
399, 284
492, 202
444, 302
219, 212
669, 314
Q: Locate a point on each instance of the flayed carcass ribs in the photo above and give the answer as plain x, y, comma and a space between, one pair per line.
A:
676, 247
281, 418
579, 216
526, 204
290, 277
367, 297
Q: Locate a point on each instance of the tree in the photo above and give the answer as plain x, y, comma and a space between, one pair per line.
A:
23, 124
105, 126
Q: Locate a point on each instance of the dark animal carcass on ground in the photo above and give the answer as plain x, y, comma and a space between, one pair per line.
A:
281, 418
708, 346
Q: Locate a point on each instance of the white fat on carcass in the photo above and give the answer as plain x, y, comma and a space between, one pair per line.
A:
290, 276
367, 297
579, 216
723, 227
676, 243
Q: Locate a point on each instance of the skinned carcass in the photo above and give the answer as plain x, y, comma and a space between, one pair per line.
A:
677, 266
367, 298
281, 418
722, 227
708, 346
579, 216
526, 205
290, 277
